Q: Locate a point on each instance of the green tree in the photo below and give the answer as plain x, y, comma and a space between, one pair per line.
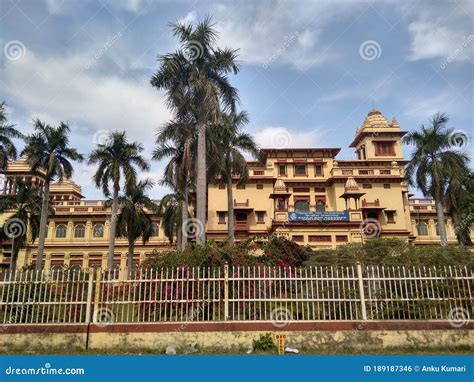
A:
199, 72
48, 148
170, 215
116, 160
7, 133
134, 219
25, 220
230, 145
434, 159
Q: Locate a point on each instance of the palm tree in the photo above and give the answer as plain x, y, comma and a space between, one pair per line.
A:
199, 71
26, 204
48, 148
134, 219
460, 204
229, 160
170, 215
116, 159
174, 141
433, 161
7, 132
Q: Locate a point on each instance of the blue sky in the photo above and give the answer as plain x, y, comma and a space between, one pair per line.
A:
310, 71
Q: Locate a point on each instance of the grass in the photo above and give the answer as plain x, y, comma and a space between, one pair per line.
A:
455, 350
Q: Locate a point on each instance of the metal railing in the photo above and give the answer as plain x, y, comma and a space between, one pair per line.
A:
202, 294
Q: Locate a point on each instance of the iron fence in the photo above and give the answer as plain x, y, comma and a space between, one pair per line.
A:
276, 294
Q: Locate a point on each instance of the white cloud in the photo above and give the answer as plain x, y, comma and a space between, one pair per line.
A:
189, 18
279, 32
283, 137
61, 89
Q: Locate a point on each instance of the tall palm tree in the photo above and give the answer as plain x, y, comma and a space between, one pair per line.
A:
134, 219
116, 159
433, 160
7, 132
25, 220
199, 72
48, 148
168, 210
229, 160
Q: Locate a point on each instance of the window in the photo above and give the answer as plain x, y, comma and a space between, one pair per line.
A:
155, 231
341, 238
80, 230
318, 169
301, 206
300, 169
240, 186
390, 216
61, 231
320, 238
259, 172
282, 170
366, 186
98, 230
281, 204
241, 217
384, 148
437, 229
422, 229
259, 186
320, 206
221, 216
386, 185
298, 238
319, 189
260, 217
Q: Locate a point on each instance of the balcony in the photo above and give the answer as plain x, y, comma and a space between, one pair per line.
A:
241, 204
367, 204
241, 226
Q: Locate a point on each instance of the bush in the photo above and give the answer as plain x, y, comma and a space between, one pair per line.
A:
274, 252
264, 343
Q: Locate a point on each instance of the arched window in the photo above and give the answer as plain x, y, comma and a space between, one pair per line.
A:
373, 215
437, 229
301, 206
61, 231
80, 230
281, 204
422, 229
241, 217
155, 231
320, 206
98, 230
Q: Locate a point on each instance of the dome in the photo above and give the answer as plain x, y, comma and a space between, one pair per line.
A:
375, 119
351, 184
279, 186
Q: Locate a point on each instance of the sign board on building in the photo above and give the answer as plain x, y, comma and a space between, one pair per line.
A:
319, 216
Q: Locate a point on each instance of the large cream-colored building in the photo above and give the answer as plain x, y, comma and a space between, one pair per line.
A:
306, 195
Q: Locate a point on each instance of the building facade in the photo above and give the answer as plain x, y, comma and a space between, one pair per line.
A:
306, 195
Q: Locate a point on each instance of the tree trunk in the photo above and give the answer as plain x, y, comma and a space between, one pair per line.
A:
43, 225
230, 211
131, 250
113, 228
184, 216
14, 258
201, 185
440, 216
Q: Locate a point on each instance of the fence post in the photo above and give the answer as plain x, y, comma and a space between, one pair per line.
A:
361, 291
226, 291
98, 273
89, 296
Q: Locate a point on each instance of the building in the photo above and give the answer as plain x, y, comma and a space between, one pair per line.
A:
306, 195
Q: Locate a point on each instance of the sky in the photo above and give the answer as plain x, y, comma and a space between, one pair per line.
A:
310, 71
